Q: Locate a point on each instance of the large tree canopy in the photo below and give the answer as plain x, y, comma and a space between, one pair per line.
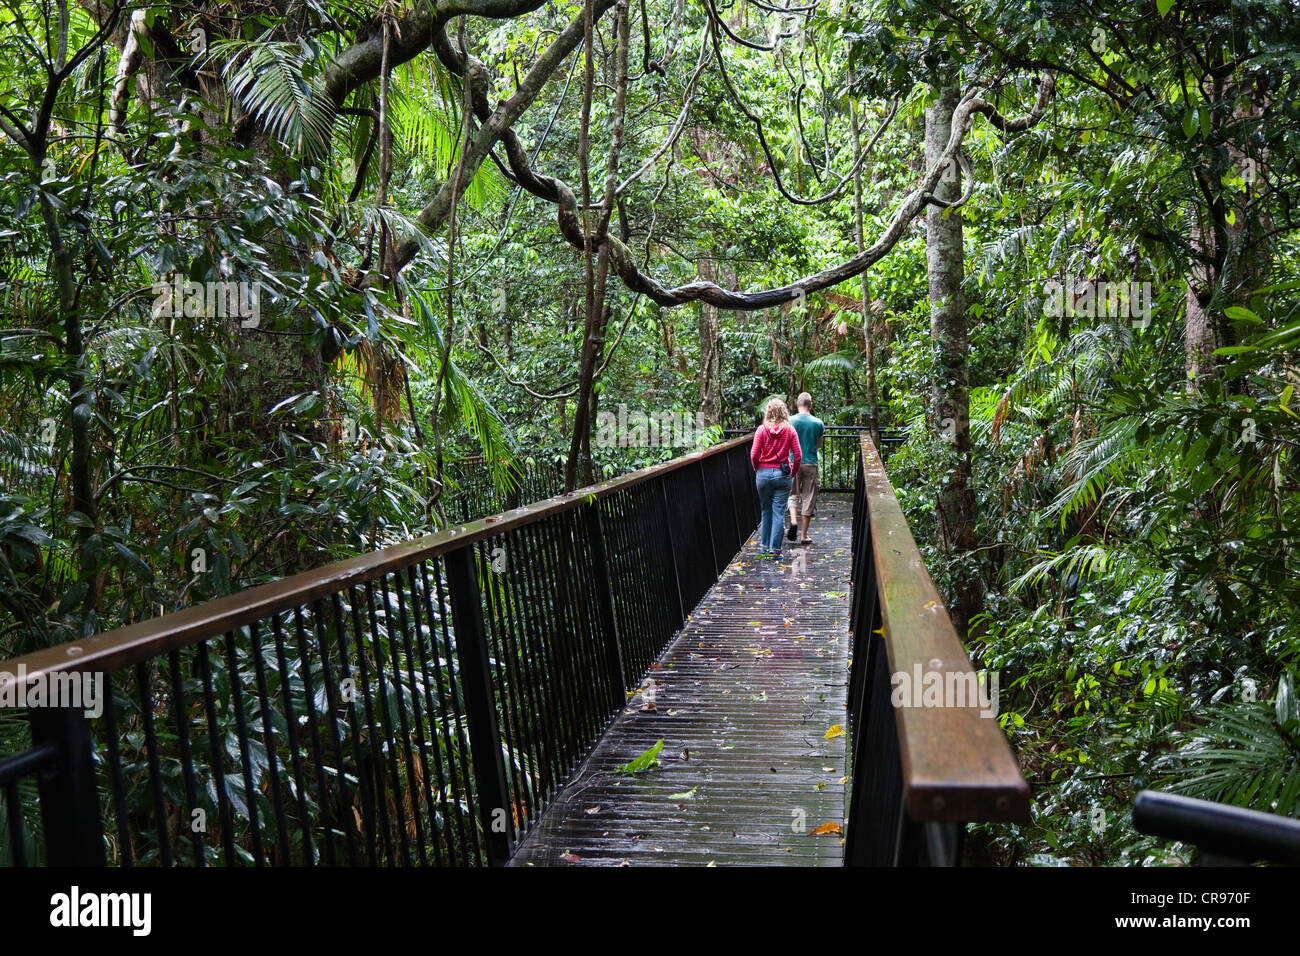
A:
280, 282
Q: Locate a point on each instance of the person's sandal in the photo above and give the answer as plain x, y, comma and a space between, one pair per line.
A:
806, 541
791, 533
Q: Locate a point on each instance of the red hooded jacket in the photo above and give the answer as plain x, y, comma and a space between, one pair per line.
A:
772, 446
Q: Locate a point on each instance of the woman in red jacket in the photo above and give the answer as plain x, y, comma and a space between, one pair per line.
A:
775, 456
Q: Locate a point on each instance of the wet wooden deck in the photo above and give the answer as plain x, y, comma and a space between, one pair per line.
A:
743, 699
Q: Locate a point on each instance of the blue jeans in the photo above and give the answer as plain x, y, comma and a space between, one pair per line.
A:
773, 495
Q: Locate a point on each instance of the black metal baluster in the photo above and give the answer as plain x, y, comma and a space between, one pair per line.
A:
456, 685
508, 688
528, 704
671, 551
332, 709
14, 817
181, 713
418, 720
251, 791
447, 785
350, 699
155, 769
603, 575
404, 724
565, 626
224, 810
532, 630
313, 732
389, 739
125, 855
546, 601
269, 742
442, 834
586, 673
374, 772
291, 733
480, 709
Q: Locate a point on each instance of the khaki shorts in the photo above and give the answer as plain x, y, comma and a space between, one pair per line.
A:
803, 490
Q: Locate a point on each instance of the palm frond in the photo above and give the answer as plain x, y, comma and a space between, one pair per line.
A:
272, 80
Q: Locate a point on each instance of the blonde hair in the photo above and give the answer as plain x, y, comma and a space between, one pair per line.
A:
776, 412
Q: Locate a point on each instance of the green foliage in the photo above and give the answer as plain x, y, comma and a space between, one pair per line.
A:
644, 762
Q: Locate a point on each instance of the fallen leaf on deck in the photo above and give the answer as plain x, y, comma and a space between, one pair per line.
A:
570, 858
687, 795
825, 828
837, 730
592, 810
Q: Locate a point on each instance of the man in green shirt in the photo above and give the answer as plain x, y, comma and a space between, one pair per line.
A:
806, 484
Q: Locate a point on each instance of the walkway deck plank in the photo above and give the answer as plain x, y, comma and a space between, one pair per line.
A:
743, 698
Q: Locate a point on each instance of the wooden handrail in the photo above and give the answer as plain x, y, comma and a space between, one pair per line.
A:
146, 639
956, 764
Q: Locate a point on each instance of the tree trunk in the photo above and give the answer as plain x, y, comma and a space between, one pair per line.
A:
710, 353
866, 295
951, 399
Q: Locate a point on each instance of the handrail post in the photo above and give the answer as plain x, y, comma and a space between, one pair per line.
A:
69, 799
605, 604
480, 705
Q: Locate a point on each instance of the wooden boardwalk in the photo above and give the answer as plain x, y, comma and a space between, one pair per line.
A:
743, 699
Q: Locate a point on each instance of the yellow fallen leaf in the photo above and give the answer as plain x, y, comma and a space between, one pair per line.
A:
837, 730
825, 828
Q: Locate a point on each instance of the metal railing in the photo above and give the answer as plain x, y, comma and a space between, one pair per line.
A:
838, 459
471, 494
417, 705
1225, 835
928, 754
